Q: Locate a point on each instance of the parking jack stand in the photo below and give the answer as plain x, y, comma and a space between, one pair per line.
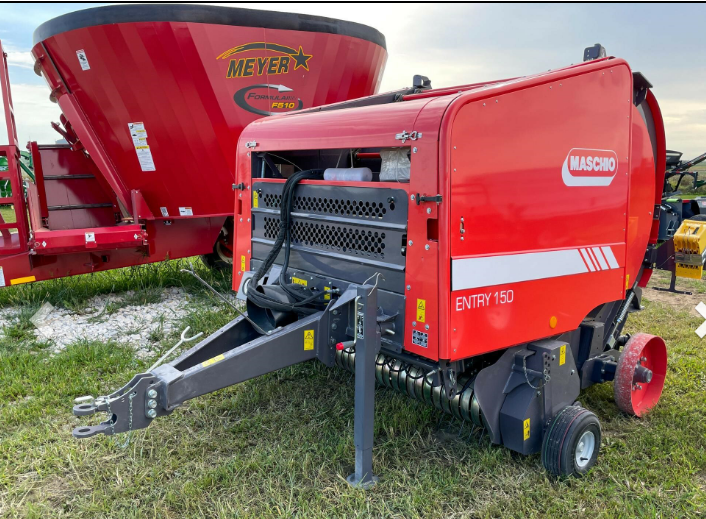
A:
367, 347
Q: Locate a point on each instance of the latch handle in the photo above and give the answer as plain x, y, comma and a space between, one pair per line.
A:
423, 198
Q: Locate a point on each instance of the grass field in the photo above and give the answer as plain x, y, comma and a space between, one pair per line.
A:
281, 445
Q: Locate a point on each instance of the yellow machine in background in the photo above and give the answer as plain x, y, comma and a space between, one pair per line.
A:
690, 249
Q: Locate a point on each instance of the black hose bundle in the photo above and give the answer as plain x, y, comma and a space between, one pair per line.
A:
303, 302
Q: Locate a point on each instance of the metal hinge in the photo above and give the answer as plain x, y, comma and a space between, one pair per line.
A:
656, 214
413, 136
250, 144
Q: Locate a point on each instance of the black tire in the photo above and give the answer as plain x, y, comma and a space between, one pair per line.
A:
214, 261
561, 441
220, 259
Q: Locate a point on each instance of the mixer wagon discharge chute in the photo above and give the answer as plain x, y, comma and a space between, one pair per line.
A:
478, 248
153, 100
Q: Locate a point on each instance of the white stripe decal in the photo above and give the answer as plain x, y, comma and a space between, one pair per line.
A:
595, 261
610, 257
512, 268
600, 257
587, 259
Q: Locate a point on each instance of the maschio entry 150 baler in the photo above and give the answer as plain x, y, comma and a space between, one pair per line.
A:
153, 100
478, 248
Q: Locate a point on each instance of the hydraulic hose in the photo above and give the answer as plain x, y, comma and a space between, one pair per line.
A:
303, 302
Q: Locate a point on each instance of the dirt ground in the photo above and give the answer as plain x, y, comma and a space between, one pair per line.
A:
683, 302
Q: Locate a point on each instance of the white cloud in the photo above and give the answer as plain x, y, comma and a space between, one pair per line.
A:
20, 59
33, 115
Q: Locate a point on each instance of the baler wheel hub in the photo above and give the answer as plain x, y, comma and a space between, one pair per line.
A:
639, 378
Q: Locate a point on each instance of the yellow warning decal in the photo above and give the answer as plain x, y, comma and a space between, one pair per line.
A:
526, 429
308, 340
242, 263
627, 281
562, 355
255, 199
421, 310
212, 360
19, 281
327, 296
300, 281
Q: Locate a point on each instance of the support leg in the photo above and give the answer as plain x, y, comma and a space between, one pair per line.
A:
366, 349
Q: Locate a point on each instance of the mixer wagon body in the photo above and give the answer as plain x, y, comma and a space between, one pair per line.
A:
478, 248
154, 98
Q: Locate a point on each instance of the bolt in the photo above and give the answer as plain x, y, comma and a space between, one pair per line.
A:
643, 359
428, 210
248, 219
335, 312
248, 251
151, 404
409, 287
454, 147
151, 413
426, 247
411, 198
414, 323
410, 243
454, 169
241, 219
461, 238
334, 326
414, 150
426, 326
602, 370
539, 393
638, 387
572, 371
553, 357
152, 393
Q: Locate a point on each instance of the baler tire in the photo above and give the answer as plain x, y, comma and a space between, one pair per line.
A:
562, 440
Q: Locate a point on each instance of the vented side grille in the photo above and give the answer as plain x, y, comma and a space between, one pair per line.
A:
336, 238
335, 206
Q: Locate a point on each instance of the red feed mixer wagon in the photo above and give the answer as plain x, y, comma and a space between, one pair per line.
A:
154, 98
477, 248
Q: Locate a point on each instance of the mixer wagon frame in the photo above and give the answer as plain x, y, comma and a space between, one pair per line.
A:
395, 252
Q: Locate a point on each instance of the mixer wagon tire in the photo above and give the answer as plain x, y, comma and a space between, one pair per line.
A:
572, 442
639, 378
222, 256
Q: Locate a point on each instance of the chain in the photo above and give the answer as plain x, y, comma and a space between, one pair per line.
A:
129, 429
112, 422
524, 368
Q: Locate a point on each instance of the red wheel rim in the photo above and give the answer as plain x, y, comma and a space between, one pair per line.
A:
650, 352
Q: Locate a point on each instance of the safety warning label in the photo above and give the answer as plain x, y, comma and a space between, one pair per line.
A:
138, 133
82, 59
308, 339
421, 310
186, 211
526, 429
2, 278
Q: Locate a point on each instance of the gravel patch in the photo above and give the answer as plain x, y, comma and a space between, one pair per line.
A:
140, 326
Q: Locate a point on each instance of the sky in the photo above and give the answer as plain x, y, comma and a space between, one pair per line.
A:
457, 44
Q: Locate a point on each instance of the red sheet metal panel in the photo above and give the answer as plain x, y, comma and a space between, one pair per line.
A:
544, 232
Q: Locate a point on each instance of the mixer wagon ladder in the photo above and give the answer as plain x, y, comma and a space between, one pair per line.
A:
14, 227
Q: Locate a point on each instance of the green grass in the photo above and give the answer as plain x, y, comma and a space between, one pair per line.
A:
280, 445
